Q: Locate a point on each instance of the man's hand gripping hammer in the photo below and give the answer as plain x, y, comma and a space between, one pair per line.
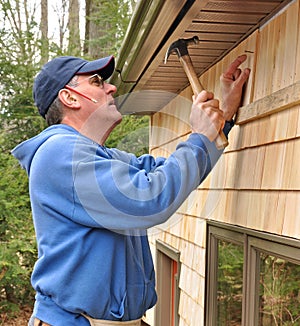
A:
180, 47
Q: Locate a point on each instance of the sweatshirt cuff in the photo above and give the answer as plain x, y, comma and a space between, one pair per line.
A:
209, 147
228, 126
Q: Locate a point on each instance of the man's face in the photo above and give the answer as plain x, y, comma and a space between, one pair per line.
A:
97, 90
98, 108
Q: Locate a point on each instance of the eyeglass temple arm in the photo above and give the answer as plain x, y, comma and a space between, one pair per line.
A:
81, 94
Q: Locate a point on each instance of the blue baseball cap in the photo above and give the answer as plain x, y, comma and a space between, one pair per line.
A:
56, 74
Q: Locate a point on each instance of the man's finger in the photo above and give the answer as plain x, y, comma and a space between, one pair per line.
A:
203, 97
242, 77
230, 72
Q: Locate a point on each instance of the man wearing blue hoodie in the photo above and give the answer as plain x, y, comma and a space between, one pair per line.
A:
92, 205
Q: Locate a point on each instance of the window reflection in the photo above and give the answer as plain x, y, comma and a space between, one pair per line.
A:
230, 283
279, 292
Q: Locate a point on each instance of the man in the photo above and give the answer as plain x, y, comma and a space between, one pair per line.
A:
92, 205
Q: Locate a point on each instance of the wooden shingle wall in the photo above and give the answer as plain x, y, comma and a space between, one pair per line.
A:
256, 183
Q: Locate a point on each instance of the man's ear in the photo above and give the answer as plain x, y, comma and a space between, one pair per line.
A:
68, 99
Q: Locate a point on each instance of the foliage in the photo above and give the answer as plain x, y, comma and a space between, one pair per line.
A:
110, 18
230, 283
20, 59
18, 250
18, 56
279, 292
132, 135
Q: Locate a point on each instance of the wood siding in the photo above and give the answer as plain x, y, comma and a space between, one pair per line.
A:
256, 183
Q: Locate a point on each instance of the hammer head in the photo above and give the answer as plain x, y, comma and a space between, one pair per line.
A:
180, 46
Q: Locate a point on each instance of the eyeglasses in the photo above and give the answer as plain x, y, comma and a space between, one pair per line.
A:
94, 80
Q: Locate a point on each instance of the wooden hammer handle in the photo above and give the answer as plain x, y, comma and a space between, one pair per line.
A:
221, 141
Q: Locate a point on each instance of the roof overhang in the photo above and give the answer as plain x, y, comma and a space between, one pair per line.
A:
145, 83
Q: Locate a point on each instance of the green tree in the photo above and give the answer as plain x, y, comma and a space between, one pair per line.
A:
106, 25
132, 135
23, 49
74, 45
19, 48
18, 249
18, 54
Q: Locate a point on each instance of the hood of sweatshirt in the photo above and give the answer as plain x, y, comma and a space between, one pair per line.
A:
25, 151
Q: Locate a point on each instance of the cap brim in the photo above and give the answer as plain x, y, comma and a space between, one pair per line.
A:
104, 67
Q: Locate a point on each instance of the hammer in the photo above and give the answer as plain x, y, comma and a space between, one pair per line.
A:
180, 47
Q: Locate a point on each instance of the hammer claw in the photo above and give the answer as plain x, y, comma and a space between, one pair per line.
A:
180, 47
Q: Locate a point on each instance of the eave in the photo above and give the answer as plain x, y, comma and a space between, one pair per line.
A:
220, 25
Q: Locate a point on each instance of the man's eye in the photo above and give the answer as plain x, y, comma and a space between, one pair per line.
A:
96, 81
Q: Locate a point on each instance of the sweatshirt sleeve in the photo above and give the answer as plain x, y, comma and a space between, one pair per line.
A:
125, 192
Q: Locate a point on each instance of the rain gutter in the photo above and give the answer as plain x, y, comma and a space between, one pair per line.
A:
152, 24
142, 21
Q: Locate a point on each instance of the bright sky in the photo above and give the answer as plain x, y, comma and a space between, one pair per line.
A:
55, 10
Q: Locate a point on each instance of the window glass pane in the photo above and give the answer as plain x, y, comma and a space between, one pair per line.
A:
230, 283
279, 292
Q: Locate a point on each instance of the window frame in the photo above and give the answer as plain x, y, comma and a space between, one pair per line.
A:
164, 251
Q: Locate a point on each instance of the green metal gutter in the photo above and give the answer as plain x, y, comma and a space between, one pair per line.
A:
144, 17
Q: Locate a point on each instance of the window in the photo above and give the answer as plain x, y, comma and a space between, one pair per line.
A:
252, 278
167, 270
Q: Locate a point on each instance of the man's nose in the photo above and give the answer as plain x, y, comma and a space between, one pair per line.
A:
110, 88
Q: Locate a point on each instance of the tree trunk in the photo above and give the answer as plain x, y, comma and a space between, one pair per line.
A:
96, 31
74, 46
87, 26
44, 31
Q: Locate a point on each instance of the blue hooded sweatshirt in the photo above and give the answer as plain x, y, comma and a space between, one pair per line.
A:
91, 208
